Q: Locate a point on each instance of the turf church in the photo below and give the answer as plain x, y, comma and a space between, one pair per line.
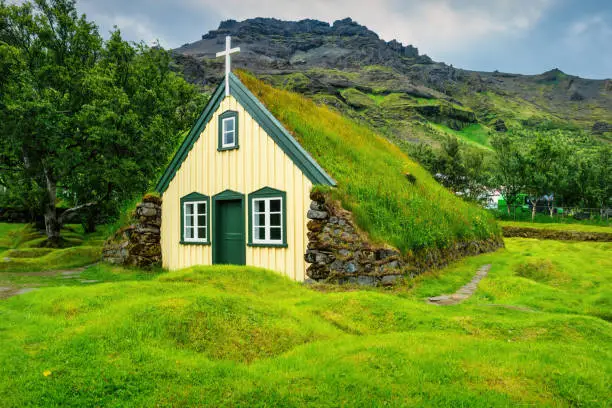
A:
237, 190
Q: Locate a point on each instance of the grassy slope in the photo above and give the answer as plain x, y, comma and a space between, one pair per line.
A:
19, 252
559, 226
474, 134
391, 112
246, 337
370, 172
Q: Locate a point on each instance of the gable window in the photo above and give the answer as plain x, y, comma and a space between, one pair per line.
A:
267, 218
195, 211
228, 130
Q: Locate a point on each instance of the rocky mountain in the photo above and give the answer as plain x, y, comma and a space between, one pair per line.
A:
393, 87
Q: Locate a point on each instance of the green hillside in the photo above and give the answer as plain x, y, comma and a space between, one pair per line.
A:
371, 175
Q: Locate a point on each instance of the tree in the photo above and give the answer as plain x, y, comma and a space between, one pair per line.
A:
600, 187
87, 121
448, 166
509, 169
477, 173
545, 168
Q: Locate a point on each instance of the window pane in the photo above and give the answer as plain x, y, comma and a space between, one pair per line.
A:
275, 220
188, 209
189, 233
259, 220
260, 233
228, 138
202, 232
228, 125
202, 220
202, 208
275, 205
189, 221
275, 233
260, 205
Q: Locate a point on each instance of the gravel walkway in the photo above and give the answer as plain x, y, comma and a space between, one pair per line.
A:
465, 292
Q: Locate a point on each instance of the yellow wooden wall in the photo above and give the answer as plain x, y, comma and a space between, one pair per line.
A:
257, 163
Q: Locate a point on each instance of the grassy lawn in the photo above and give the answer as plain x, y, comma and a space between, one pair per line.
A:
537, 333
558, 226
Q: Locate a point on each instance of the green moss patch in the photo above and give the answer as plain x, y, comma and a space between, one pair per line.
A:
357, 99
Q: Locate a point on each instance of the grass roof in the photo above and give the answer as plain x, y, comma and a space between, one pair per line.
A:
371, 176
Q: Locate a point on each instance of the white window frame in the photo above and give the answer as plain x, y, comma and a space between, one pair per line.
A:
226, 132
267, 227
196, 225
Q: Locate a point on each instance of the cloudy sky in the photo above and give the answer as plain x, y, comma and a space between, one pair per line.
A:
523, 36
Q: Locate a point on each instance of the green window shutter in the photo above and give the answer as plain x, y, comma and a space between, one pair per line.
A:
268, 192
227, 115
192, 198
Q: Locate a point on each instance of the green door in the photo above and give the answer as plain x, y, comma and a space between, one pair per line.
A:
229, 242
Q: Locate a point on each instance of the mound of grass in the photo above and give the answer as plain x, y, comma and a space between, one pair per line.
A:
54, 259
541, 270
21, 250
242, 336
370, 172
7, 234
27, 252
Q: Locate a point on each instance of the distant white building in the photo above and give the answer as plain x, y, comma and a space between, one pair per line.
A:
492, 198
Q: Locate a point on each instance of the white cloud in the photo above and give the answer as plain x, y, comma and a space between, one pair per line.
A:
593, 25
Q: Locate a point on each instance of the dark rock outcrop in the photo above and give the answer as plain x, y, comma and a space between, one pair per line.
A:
601, 127
447, 114
288, 44
500, 126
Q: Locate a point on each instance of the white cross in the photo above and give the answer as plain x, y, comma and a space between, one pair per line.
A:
228, 50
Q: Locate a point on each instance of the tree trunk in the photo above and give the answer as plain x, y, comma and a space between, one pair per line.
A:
508, 207
89, 224
551, 209
534, 205
53, 224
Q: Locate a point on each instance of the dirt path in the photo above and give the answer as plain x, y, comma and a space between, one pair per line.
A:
10, 291
464, 292
7, 290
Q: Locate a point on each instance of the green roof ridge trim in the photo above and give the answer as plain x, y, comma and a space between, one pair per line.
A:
300, 157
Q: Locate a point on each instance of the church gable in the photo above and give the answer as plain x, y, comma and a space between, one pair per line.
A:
277, 132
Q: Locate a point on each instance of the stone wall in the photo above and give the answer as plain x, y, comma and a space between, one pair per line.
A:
339, 253
137, 244
559, 235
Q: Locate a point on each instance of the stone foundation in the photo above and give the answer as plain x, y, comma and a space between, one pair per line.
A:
339, 253
559, 235
137, 244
